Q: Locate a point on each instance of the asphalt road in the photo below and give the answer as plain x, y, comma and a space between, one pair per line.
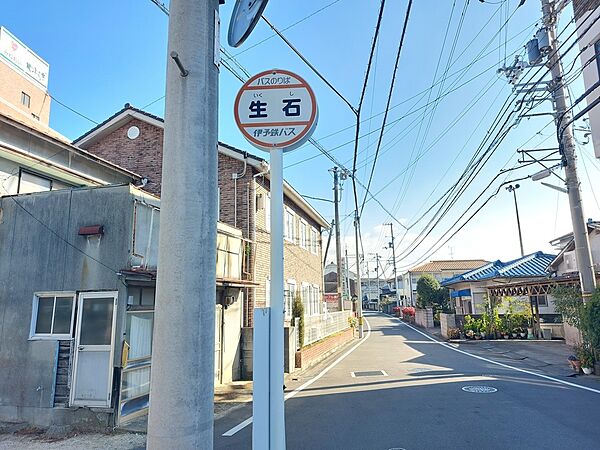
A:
418, 402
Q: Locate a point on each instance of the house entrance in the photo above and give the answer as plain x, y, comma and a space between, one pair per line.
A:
94, 337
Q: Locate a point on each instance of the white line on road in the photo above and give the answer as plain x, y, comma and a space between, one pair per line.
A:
289, 395
556, 380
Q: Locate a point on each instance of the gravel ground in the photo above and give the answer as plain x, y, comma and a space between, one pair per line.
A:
37, 441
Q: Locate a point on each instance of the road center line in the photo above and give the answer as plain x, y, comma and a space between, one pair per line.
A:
289, 395
445, 344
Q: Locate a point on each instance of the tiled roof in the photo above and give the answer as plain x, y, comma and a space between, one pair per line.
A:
451, 264
533, 265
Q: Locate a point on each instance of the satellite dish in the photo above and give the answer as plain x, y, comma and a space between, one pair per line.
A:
245, 16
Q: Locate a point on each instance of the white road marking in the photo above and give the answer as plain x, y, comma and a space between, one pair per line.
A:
289, 395
491, 361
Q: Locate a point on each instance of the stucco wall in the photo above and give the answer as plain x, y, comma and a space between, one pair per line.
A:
42, 251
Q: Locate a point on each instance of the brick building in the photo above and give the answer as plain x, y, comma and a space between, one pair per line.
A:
23, 80
133, 139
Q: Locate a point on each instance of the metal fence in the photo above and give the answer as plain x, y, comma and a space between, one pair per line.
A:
323, 325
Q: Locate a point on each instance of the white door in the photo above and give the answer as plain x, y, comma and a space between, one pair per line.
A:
94, 339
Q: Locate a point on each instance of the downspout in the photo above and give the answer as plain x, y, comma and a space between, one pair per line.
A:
236, 176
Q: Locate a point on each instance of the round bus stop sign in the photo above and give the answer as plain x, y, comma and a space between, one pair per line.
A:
276, 109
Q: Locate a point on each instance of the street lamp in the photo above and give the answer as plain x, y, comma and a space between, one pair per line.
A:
513, 188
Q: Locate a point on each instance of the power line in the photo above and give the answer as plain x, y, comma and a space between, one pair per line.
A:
389, 99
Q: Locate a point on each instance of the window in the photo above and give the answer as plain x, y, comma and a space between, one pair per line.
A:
268, 212
25, 99
542, 300
303, 234
290, 225
306, 294
315, 301
290, 295
31, 182
314, 243
52, 315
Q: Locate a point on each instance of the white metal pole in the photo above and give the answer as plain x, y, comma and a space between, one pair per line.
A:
183, 354
276, 406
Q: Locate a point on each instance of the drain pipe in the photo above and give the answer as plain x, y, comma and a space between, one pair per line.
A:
236, 176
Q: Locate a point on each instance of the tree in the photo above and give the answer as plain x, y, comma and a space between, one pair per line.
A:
427, 290
431, 295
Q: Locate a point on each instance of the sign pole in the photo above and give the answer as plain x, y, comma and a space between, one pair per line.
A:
276, 111
276, 366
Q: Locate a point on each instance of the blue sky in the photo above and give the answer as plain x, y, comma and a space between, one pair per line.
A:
104, 54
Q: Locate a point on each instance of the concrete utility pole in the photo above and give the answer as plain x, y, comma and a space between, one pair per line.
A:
347, 276
393, 247
183, 354
513, 189
567, 147
338, 242
368, 281
358, 281
377, 275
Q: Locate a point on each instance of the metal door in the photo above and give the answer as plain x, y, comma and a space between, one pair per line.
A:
94, 339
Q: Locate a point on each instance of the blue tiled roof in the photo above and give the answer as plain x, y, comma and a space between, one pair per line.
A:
533, 265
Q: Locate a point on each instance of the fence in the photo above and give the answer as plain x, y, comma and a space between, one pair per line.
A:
323, 325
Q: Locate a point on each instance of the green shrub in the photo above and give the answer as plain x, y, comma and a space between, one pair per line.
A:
298, 312
590, 320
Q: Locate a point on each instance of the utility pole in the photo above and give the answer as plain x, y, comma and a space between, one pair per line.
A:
393, 247
377, 277
368, 281
183, 354
567, 147
513, 189
358, 286
338, 243
347, 277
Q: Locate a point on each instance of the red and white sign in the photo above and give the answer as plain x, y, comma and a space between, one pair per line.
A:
276, 109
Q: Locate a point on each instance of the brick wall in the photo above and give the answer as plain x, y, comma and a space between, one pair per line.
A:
300, 264
142, 155
319, 350
238, 206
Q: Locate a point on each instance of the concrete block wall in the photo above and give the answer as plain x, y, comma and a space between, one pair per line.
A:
447, 321
424, 317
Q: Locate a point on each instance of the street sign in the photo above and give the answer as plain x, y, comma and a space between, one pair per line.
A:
276, 109
245, 16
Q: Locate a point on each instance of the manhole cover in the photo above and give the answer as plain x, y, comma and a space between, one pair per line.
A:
480, 389
369, 373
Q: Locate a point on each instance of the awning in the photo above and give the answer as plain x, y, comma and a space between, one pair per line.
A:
233, 282
461, 293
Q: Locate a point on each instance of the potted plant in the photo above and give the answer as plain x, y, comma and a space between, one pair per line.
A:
586, 357
575, 363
